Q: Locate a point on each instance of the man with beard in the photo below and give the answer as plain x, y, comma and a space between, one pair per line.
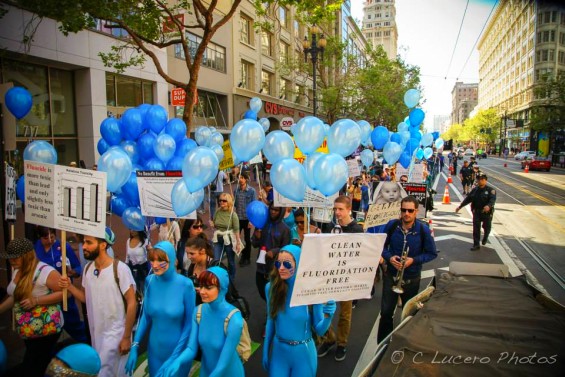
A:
108, 289
415, 238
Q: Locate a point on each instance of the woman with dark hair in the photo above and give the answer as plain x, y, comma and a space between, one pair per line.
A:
216, 330
289, 348
34, 294
190, 229
136, 257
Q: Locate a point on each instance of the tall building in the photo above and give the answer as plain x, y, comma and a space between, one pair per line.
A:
523, 43
379, 25
464, 98
441, 123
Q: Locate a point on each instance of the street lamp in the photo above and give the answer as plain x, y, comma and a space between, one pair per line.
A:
317, 46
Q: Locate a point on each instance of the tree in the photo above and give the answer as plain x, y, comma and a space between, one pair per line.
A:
484, 127
548, 111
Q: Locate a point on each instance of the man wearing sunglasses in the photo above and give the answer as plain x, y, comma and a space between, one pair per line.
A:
404, 234
344, 224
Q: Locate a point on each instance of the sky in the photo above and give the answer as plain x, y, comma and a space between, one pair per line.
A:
427, 35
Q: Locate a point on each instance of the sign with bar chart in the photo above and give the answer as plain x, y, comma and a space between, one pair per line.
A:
155, 193
66, 198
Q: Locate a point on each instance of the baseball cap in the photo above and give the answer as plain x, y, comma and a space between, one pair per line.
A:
481, 175
109, 236
17, 247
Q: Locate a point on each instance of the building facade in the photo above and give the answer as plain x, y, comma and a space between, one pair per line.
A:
523, 43
441, 123
464, 98
379, 25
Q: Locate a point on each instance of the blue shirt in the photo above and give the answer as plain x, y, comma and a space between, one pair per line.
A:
53, 256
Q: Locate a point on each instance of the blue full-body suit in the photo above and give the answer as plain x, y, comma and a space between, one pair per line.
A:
219, 350
167, 313
294, 325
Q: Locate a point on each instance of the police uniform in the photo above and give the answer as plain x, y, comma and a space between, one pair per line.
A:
479, 198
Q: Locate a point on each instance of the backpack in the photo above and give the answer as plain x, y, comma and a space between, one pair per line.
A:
397, 223
244, 345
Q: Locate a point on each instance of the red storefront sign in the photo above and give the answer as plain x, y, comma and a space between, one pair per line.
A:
178, 97
275, 109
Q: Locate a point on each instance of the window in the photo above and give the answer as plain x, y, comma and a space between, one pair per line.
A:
369, 17
386, 33
266, 43
284, 89
387, 23
247, 73
299, 89
267, 82
284, 49
297, 32
284, 17
369, 26
562, 39
123, 91
214, 55
245, 29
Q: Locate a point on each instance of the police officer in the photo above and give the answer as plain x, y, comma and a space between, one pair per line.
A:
482, 199
466, 176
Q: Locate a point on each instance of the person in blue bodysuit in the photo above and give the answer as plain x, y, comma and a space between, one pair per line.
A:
289, 349
167, 311
219, 348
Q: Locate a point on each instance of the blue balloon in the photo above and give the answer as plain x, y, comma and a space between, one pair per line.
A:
216, 138
416, 117
326, 129
247, 139
155, 164
255, 104
278, 146
200, 167
419, 153
202, 135
18, 100
427, 139
439, 143
366, 130
21, 189
145, 145
289, 179
265, 123
40, 151
402, 127
411, 98
130, 147
258, 213
344, 137
176, 128
330, 173
110, 131
392, 152
415, 134
183, 201
395, 137
130, 190
379, 137
309, 164
102, 146
155, 118
405, 136
144, 108
404, 159
117, 165
160, 220
367, 157
185, 146
118, 204
133, 219
219, 151
428, 152
132, 124
81, 358
175, 163
250, 114
309, 134
164, 147
411, 146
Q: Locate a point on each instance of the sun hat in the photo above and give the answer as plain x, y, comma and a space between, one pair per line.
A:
109, 236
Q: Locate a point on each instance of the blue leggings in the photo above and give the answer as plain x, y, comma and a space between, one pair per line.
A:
299, 361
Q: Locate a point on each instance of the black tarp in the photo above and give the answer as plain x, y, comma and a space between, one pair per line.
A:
479, 326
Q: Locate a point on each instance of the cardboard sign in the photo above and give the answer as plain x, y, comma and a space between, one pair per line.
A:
227, 161
65, 198
322, 215
353, 167
338, 267
155, 189
417, 172
300, 157
313, 199
380, 214
10, 207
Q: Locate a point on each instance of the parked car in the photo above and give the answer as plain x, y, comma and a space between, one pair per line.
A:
469, 153
523, 155
536, 163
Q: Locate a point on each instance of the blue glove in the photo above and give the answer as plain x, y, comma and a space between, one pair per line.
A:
329, 307
266, 361
171, 371
132, 361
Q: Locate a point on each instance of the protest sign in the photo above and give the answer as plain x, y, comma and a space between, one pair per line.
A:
419, 191
65, 198
155, 193
380, 214
10, 205
338, 267
322, 215
353, 167
417, 172
312, 198
388, 192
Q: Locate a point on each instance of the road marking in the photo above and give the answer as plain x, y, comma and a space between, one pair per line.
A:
453, 237
536, 195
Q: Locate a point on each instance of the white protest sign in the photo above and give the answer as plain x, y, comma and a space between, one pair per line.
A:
338, 267
417, 172
380, 214
322, 215
65, 198
256, 160
10, 207
388, 192
155, 189
353, 167
312, 198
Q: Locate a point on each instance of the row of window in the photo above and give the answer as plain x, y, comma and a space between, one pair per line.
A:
548, 55
550, 17
377, 24
378, 15
378, 34
214, 55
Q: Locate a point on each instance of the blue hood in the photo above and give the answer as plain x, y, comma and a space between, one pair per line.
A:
169, 249
224, 279
295, 252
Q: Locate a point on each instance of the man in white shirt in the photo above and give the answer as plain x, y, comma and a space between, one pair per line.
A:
109, 294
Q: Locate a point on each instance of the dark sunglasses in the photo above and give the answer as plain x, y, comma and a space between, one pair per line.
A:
409, 210
198, 226
285, 263
222, 200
